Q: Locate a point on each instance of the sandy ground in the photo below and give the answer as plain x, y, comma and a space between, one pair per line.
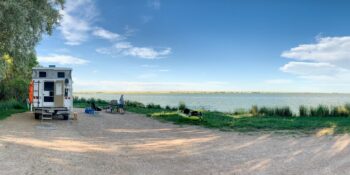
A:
133, 144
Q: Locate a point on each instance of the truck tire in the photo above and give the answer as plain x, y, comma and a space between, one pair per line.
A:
37, 116
65, 117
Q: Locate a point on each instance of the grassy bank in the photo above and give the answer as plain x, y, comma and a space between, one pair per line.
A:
7, 108
83, 103
319, 119
308, 120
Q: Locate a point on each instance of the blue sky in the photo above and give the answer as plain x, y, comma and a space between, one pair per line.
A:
227, 45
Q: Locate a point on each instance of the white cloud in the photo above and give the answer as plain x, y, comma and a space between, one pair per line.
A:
61, 59
77, 17
316, 71
105, 34
127, 49
147, 52
328, 60
306, 68
326, 49
123, 45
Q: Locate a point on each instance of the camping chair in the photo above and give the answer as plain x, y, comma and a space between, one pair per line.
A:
113, 106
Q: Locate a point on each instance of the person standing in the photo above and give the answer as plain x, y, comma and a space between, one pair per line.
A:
121, 104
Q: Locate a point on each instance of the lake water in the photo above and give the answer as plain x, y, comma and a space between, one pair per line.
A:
229, 102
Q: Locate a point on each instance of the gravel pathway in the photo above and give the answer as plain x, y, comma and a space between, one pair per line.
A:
133, 144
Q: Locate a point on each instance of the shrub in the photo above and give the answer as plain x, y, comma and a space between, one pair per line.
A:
320, 111
283, 111
153, 106
240, 111
347, 106
182, 106
265, 111
339, 111
303, 111
11, 104
134, 104
254, 110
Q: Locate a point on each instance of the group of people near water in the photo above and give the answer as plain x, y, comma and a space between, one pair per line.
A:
119, 105
113, 105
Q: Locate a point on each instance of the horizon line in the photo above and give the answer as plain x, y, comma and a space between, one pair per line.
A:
202, 92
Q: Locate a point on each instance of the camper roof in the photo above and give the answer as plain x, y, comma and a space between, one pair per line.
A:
52, 68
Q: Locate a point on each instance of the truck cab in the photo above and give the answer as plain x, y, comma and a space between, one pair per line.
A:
52, 92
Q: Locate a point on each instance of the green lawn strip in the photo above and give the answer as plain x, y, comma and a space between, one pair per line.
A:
6, 113
246, 123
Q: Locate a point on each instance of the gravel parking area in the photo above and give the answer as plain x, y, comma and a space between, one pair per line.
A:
134, 144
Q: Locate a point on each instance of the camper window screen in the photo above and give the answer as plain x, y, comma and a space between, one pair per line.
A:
42, 74
60, 75
66, 92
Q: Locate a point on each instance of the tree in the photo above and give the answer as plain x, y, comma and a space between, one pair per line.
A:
22, 24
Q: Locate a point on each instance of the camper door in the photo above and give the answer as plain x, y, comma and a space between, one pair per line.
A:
59, 96
49, 87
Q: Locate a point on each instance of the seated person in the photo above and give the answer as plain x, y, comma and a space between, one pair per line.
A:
94, 107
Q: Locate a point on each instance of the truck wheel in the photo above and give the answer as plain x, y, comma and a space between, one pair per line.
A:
65, 117
37, 116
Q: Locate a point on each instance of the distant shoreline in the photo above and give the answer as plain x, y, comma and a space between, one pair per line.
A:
201, 92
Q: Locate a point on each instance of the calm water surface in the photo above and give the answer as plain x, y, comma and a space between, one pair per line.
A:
229, 102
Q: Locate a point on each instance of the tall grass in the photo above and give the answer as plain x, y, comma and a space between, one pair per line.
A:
11, 104
319, 111
10, 107
83, 102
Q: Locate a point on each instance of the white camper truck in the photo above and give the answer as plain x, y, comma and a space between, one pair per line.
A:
52, 92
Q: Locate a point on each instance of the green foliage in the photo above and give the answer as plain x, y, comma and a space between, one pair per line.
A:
10, 107
283, 112
83, 103
250, 123
134, 104
340, 111
11, 104
22, 23
303, 111
254, 110
153, 106
266, 111
320, 111
240, 112
182, 106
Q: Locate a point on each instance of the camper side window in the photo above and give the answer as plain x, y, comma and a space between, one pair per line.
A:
42, 74
60, 75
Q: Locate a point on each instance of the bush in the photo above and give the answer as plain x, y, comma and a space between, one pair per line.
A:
134, 104
320, 111
283, 112
167, 107
303, 111
240, 111
265, 111
182, 106
339, 111
153, 106
11, 104
254, 110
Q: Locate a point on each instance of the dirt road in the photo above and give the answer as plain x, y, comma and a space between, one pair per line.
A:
133, 144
